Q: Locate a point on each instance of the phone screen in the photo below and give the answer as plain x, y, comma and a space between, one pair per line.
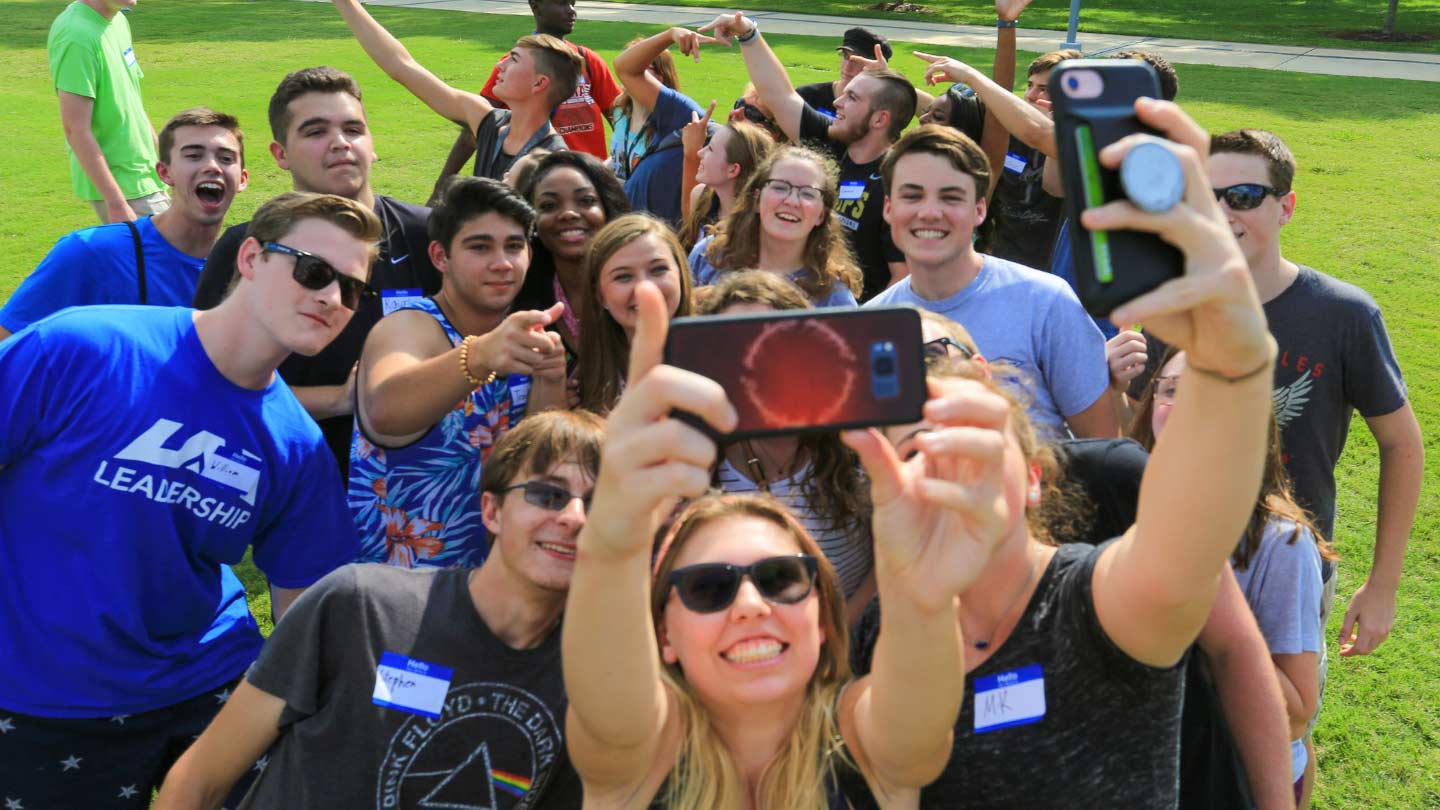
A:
811, 370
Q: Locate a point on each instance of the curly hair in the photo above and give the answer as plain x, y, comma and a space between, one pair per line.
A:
828, 260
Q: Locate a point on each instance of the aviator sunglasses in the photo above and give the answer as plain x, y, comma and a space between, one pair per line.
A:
711, 587
1245, 196
549, 497
314, 273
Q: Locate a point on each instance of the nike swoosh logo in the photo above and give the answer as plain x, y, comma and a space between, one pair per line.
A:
398, 259
875, 177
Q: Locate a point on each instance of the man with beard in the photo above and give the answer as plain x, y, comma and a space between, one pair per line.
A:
156, 259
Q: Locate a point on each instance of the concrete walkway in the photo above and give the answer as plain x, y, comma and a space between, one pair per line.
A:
1330, 61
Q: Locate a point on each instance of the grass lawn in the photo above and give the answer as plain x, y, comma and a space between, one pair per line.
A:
1367, 162
1317, 23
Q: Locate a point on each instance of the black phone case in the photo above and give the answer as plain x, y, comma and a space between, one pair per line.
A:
1141, 261
807, 371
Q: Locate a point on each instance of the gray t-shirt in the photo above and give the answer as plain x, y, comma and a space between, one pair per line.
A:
1110, 732
497, 741
1033, 322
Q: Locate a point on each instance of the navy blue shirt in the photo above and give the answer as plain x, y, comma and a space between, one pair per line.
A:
654, 183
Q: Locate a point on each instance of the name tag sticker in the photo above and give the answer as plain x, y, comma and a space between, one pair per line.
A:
852, 189
1014, 163
391, 300
411, 685
232, 474
1015, 698
129, 56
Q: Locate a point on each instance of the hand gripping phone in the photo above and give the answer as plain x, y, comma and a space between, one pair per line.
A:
808, 371
1093, 101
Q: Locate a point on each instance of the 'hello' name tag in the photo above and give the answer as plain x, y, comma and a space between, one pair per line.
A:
129, 56
852, 189
391, 300
1014, 698
411, 685
1014, 163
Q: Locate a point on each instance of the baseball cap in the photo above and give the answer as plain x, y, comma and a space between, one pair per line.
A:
862, 41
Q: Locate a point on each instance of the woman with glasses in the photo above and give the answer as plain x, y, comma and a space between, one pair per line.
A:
632, 249
782, 223
1074, 654
815, 476
1277, 564
721, 681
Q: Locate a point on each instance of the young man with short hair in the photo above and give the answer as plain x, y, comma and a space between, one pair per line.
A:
1030, 321
1335, 358
857, 41
870, 114
110, 140
323, 139
144, 451
580, 119
538, 74
153, 260
411, 689
442, 379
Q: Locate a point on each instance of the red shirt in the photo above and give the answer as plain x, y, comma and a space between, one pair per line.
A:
580, 118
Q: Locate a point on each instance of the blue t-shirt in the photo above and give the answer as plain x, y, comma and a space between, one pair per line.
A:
654, 183
1033, 322
703, 273
97, 266
132, 475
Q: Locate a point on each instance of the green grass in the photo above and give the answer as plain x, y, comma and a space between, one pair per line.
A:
1368, 166
1314, 23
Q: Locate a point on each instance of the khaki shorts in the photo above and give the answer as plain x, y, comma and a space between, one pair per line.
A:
156, 203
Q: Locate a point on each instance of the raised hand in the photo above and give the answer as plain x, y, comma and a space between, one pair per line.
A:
945, 67
692, 135
1126, 353
1009, 10
878, 62
650, 459
727, 27
1213, 311
689, 42
520, 344
940, 514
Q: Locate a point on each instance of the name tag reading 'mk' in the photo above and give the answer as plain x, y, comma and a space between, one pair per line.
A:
411, 685
1014, 698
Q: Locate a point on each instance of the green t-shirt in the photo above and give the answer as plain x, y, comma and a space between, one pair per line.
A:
93, 57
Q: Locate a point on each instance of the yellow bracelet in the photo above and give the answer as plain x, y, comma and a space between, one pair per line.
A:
465, 365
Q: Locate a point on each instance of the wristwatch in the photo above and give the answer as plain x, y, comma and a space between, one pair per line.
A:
750, 37
1006, 23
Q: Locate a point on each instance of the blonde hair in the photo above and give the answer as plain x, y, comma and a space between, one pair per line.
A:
604, 349
828, 260
705, 775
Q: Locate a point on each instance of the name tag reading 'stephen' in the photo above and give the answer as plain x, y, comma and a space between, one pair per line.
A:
1014, 698
411, 685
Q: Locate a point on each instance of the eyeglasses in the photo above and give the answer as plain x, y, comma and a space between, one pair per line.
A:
782, 189
1165, 388
711, 587
314, 273
1245, 196
549, 497
937, 351
753, 114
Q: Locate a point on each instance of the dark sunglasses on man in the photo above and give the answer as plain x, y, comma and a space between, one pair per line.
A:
1246, 196
711, 587
314, 273
548, 496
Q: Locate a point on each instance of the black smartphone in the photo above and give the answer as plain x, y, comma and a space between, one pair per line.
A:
808, 371
1093, 102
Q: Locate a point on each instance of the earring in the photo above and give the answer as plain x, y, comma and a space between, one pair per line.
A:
1033, 497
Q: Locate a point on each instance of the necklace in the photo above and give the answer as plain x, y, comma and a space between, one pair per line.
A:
1029, 575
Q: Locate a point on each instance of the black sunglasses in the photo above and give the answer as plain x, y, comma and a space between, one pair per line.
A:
937, 351
753, 114
549, 496
711, 587
1245, 196
314, 273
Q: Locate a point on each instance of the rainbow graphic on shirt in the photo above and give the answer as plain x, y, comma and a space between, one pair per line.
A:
511, 783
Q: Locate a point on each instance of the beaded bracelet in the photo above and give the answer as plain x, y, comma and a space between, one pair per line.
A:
465, 365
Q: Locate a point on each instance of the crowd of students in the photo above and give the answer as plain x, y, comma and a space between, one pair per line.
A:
503, 575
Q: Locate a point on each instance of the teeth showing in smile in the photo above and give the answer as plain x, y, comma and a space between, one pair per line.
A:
573, 233
753, 650
787, 217
553, 548
929, 233
210, 190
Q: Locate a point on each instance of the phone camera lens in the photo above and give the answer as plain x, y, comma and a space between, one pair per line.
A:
884, 366
1073, 83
